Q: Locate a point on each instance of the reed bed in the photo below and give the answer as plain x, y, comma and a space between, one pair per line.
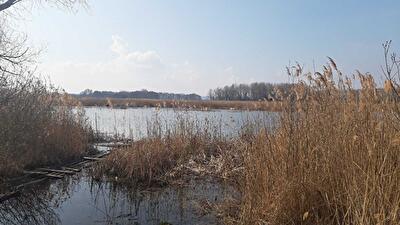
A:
204, 105
333, 160
333, 157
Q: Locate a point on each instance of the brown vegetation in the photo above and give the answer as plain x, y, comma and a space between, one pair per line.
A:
187, 104
38, 126
186, 148
333, 160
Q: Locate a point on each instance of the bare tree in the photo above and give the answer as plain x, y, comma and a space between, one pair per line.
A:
253, 91
391, 70
6, 4
14, 54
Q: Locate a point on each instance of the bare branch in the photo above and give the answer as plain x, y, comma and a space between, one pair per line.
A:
7, 4
68, 4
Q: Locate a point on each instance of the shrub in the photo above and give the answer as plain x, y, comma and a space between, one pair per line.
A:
38, 126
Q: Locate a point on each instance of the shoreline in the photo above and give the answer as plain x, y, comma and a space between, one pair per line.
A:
202, 105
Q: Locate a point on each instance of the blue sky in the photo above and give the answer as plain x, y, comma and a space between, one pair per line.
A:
192, 46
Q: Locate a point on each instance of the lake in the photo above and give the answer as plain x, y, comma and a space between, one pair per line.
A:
133, 123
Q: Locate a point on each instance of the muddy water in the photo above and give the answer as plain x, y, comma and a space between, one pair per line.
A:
79, 200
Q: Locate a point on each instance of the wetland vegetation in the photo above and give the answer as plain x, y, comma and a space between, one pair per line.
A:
321, 149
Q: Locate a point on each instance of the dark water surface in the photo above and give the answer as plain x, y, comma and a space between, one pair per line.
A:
79, 200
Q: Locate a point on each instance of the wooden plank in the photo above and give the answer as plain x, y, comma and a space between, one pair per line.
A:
102, 155
35, 172
92, 158
31, 183
114, 145
55, 176
80, 164
71, 169
57, 171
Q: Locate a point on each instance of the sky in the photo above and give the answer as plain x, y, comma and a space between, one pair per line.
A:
190, 46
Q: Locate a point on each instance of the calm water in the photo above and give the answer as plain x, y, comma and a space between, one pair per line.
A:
78, 200
133, 123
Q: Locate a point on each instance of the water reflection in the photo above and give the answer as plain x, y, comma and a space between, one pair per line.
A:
80, 200
35, 206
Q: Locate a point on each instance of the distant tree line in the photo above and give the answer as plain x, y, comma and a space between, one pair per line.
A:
253, 91
144, 94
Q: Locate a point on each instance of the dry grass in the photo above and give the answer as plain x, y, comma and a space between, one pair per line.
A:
186, 148
38, 126
333, 160
187, 104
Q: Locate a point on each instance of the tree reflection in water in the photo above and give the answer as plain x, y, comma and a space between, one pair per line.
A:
80, 200
176, 205
36, 206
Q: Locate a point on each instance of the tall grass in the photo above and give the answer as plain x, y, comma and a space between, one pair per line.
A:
334, 159
38, 126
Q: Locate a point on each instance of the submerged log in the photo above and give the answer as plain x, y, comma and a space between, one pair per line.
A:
55, 176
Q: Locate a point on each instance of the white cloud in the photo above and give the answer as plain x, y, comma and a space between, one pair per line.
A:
118, 45
134, 70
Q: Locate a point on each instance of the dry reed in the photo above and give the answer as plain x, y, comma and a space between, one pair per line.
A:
186, 147
333, 160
